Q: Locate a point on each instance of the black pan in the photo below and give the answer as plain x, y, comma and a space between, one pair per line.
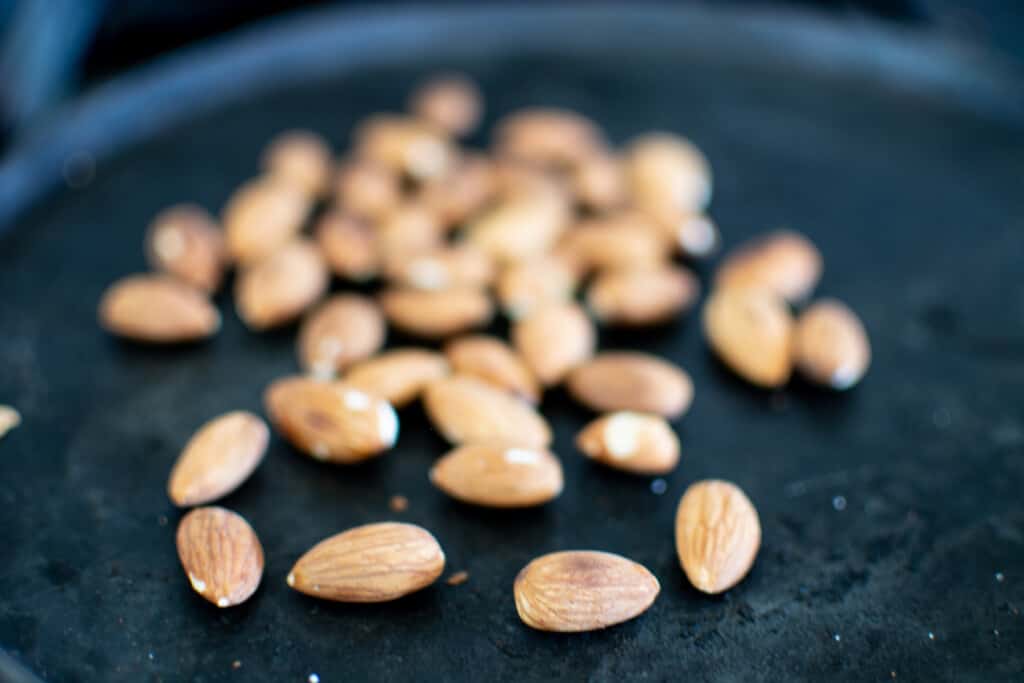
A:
893, 516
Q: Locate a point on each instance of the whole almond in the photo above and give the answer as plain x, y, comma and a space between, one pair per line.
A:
9, 419
450, 102
349, 247
553, 340
493, 361
642, 296
467, 410
458, 195
525, 286
499, 476
445, 267
436, 314
620, 240
221, 555
278, 289
157, 308
218, 458
366, 190
599, 183
785, 262
520, 227
639, 382
830, 344
582, 590
370, 563
635, 442
408, 228
398, 376
301, 158
718, 534
404, 145
330, 420
553, 137
341, 331
184, 241
751, 330
262, 216
667, 170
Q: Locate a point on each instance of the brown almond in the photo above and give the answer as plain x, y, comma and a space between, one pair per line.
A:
330, 420
514, 178
463, 192
301, 158
278, 289
830, 344
436, 314
553, 340
493, 361
548, 137
467, 410
349, 247
218, 458
582, 590
261, 217
785, 262
341, 331
639, 382
221, 555
598, 183
520, 227
668, 171
184, 241
408, 228
9, 419
751, 330
370, 563
450, 102
525, 286
404, 145
718, 535
499, 476
445, 267
398, 376
366, 190
615, 241
157, 308
640, 443
642, 296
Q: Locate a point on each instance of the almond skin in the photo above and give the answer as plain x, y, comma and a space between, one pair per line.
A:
751, 330
444, 267
436, 314
278, 289
408, 229
221, 555
468, 410
301, 158
371, 563
784, 261
553, 340
367, 191
598, 183
525, 286
398, 376
582, 590
547, 137
349, 247
718, 535
666, 170
218, 458
521, 227
639, 382
493, 361
642, 296
404, 145
184, 241
329, 420
451, 103
157, 309
620, 240
499, 476
464, 191
262, 216
341, 331
640, 443
831, 346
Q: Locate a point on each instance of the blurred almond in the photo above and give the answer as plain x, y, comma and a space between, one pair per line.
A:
668, 171
221, 555
642, 296
450, 102
278, 289
301, 158
499, 476
404, 145
463, 192
830, 345
9, 419
184, 241
349, 247
443, 267
468, 410
634, 381
521, 227
157, 308
408, 228
525, 286
598, 183
551, 137
367, 191
691, 234
435, 314
640, 443
261, 217
553, 340
783, 261
341, 331
493, 361
398, 376
751, 330
620, 240
514, 179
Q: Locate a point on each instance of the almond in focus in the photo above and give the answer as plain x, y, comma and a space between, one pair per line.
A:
640, 443
499, 476
157, 309
221, 555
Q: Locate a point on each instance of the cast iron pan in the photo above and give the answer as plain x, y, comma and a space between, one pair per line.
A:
893, 516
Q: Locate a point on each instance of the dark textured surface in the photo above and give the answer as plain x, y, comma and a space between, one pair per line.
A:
915, 201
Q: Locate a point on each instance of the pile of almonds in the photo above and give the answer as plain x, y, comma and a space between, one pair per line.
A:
454, 235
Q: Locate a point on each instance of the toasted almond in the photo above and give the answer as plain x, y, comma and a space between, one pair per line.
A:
262, 216
692, 234
221, 555
450, 102
341, 331
301, 158
330, 420
9, 419
468, 410
751, 330
370, 563
525, 286
553, 137
278, 289
666, 170
218, 458
399, 375
783, 261
830, 344
553, 340
620, 240
461, 193
499, 476
184, 241
349, 247
445, 267
718, 534
366, 190
520, 227
582, 590
598, 183
404, 145
635, 442
624, 380
157, 308
493, 361
436, 314
642, 296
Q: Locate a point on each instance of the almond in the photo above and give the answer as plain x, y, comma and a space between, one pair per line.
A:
349, 247
220, 554
751, 330
598, 183
621, 240
667, 170
451, 103
262, 216
783, 261
514, 178
718, 534
445, 267
370, 563
436, 314
553, 340
493, 361
548, 137
278, 289
366, 190
499, 476
466, 410
9, 419
157, 308
330, 420
408, 228
218, 458
692, 234
582, 590
623, 380
635, 442
404, 145
642, 296
344, 329
830, 345
461, 193
301, 158
520, 227
184, 241
398, 376
524, 286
